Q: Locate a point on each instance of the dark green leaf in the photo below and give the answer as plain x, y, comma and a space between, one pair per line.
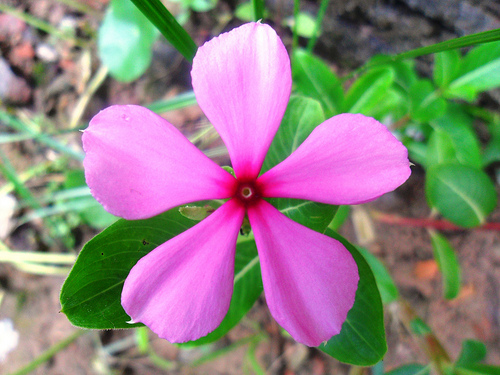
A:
462, 194
125, 41
362, 339
480, 71
472, 352
159, 16
448, 265
368, 90
313, 215
313, 78
386, 286
446, 65
90, 296
426, 104
301, 117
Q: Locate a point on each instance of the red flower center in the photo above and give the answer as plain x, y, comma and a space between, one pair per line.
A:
247, 193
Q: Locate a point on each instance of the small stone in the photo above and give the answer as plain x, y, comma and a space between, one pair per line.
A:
10, 338
47, 53
7, 208
13, 89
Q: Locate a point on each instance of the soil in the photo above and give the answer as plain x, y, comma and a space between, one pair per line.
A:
40, 74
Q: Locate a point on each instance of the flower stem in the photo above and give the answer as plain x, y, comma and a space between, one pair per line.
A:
317, 26
426, 222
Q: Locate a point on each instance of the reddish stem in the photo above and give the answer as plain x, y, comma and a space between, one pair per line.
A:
426, 222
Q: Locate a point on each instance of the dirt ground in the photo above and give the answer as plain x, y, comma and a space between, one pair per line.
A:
354, 30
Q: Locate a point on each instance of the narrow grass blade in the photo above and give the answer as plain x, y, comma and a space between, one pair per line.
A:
166, 23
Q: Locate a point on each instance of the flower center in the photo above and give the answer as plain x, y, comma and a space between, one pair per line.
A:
247, 192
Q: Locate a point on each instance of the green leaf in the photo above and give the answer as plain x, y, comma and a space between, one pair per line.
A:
386, 286
125, 41
393, 105
425, 102
458, 125
305, 24
464, 41
473, 351
417, 151
246, 290
477, 369
446, 65
340, 217
492, 151
410, 369
462, 194
440, 149
90, 296
368, 90
313, 215
244, 11
448, 264
92, 212
419, 327
405, 73
202, 5
159, 16
480, 71
313, 78
302, 115
361, 341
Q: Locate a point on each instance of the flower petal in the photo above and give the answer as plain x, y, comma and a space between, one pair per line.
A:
138, 165
182, 289
242, 81
310, 280
348, 159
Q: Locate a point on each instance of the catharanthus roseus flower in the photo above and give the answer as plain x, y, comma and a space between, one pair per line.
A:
139, 165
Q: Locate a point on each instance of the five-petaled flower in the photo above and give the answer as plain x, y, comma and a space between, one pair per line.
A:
139, 165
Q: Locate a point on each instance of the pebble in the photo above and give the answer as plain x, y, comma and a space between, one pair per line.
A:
13, 89
47, 53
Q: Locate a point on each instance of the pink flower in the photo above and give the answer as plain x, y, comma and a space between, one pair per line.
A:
139, 165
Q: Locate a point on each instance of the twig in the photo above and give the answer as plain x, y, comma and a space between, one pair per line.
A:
426, 222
